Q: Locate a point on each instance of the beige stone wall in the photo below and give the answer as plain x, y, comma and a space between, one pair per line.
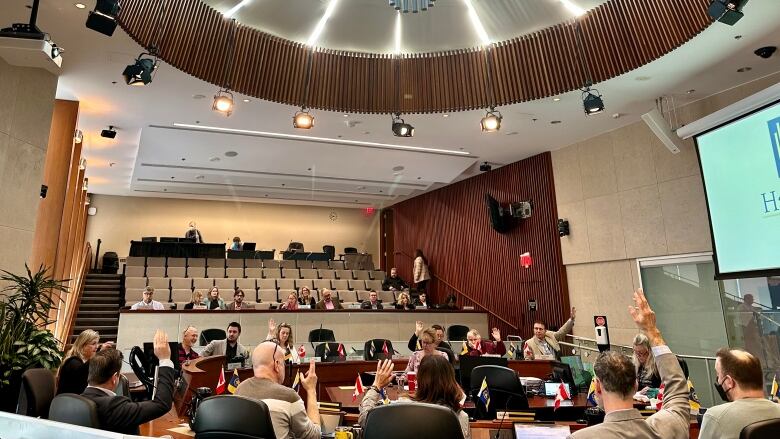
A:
627, 197
25, 119
122, 219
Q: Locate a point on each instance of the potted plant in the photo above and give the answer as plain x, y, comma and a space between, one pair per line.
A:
24, 340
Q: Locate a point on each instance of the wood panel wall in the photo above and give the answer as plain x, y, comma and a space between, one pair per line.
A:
452, 227
618, 36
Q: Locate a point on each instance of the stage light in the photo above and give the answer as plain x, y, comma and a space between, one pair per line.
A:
223, 103
592, 101
401, 128
303, 120
492, 121
726, 11
110, 133
103, 18
140, 73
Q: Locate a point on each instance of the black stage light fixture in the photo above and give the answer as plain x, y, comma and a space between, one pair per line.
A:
140, 73
563, 228
44, 190
110, 133
491, 122
401, 128
592, 101
303, 120
103, 18
485, 167
726, 11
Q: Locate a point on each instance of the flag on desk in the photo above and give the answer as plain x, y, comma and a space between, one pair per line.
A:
358, 388
561, 396
234, 382
774, 394
297, 381
341, 351
383, 395
302, 352
484, 393
327, 349
528, 353
288, 356
384, 348
693, 398
465, 349
660, 397
371, 350
512, 350
221, 382
592, 392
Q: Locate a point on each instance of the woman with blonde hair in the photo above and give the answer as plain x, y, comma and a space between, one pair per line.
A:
646, 371
196, 301
72, 375
283, 336
305, 297
404, 302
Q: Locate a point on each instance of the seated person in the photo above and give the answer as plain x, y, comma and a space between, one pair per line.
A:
305, 298
148, 302
327, 301
475, 346
283, 335
291, 304
422, 300
213, 301
403, 302
436, 384
188, 339
428, 343
394, 282
290, 417
450, 302
74, 371
544, 344
229, 347
119, 413
372, 302
237, 244
440, 343
738, 379
196, 301
646, 371
238, 301
194, 233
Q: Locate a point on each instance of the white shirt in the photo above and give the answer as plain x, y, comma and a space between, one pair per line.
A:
155, 305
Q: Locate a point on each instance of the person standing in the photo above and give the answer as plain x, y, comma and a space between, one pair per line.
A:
194, 233
421, 272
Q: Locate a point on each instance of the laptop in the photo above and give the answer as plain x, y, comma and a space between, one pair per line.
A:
551, 389
531, 431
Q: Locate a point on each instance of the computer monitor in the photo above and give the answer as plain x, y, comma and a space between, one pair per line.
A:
249, 246
551, 389
562, 373
468, 363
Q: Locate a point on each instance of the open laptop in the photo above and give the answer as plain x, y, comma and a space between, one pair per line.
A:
551, 389
531, 431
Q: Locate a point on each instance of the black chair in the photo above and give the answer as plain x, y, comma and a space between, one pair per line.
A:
217, 418
450, 354
36, 393
74, 409
393, 422
378, 354
349, 250
142, 368
319, 335
149, 239
506, 390
457, 332
683, 366
207, 335
332, 354
295, 247
767, 429
330, 251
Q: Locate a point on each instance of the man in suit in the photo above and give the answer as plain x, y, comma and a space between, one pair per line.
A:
544, 344
118, 413
238, 301
230, 347
327, 301
372, 302
616, 385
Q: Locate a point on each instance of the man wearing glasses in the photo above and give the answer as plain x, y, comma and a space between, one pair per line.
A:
288, 414
238, 301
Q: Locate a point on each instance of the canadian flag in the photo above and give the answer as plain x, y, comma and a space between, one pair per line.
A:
301, 351
221, 383
528, 353
660, 397
341, 351
384, 348
358, 389
561, 396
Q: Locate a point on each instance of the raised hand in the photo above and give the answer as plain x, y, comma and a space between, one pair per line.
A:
418, 327
309, 380
271, 327
643, 316
496, 334
161, 347
107, 345
384, 373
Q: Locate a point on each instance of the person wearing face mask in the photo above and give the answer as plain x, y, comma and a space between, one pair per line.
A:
291, 419
739, 380
544, 344
616, 384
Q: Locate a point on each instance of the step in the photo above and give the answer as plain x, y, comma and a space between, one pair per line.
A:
105, 285
95, 322
99, 307
103, 276
107, 314
100, 300
99, 293
108, 329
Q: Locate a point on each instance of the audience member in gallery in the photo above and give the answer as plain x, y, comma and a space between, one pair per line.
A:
188, 339
229, 347
438, 329
421, 272
422, 300
283, 335
305, 298
394, 282
72, 374
196, 301
544, 344
238, 301
328, 302
372, 302
213, 301
403, 302
237, 244
291, 304
475, 346
194, 233
428, 347
148, 302
646, 370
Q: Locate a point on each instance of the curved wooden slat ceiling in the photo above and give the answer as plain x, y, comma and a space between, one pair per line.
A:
619, 36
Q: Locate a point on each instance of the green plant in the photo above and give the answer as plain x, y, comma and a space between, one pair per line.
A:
24, 314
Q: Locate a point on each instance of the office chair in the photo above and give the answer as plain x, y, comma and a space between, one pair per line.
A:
450, 354
766, 429
457, 332
393, 422
74, 409
330, 251
319, 335
232, 417
378, 344
142, 369
333, 352
36, 393
295, 247
207, 335
506, 390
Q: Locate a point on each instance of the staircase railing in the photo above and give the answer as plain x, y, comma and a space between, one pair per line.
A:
66, 316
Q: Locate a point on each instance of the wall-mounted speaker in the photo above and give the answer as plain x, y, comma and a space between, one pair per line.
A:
92, 211
660, 127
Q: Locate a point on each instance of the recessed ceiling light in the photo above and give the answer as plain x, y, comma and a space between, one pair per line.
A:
247, 100
346, 115
744, 69
231, 154
556, 99
642, 78
360, 188
445, 115
172, 177
198, 96
80, 5
555, 122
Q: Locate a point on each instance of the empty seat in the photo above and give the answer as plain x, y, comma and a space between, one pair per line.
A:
291, 273
196, 271
225, 284
135, 271
215, 262
253, 272
283, 293
75, 410
348, 296
386, 297
159, 283
362, 274
196, 262
336, 265
177, 262
287, 284
200, 283
272, 273
302, 263
215, 272
271, 263
181, 283
266, 284
155, 262
327, 274
135, 261
300, 283
344, 274
36, 393
340, 284
263, 306
357, 284
363, 295
181, 295
267, 295
375, 285
308, 273
234, 272
321, 265
246, 284
155, 271
235, 263
322, 283
253, 263
133, 295
135, 282
378, 275
287, 263
177, 271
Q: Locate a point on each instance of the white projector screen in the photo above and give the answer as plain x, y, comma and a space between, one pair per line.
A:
740, 166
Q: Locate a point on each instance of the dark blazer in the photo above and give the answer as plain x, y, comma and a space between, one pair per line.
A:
407, 307
311, 303
121, 415
336, 304
367, 305
72, 377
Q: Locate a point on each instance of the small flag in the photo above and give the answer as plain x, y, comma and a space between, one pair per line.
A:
512, 350
660, 397
358, 388
384, 348
693, 398
465, 349
383, 395
775, 393
221, 382
234, 382
327, 349
484, 393
419, 346
288, 356
372, 350
528, 353
561, 396
297, 382
592, 392
302, 352
341, 351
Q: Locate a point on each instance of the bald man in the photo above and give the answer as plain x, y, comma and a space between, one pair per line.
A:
290, 418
